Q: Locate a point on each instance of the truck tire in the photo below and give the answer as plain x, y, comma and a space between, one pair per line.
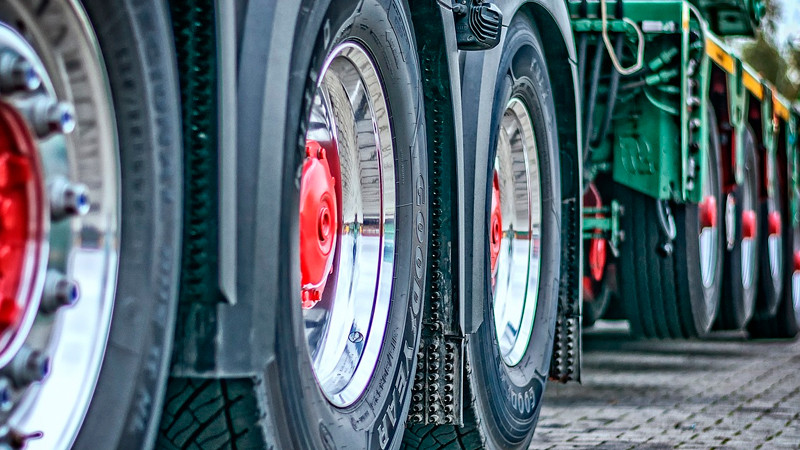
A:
509, 356
114, 190
772, 236
598, 295
664, 292
785, 323
742, 257
352, 223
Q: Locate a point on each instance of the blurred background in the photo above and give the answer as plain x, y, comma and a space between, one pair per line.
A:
775, 51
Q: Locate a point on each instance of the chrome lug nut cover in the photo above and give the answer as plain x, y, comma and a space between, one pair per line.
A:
49, 117
28, 366
67, 199
17, 74
59, 291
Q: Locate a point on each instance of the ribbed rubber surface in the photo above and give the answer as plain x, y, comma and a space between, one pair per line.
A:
653, 285
195, 41
210, 414
447, 437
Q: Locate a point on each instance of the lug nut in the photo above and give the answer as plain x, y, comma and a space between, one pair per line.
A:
17, 74
48, 117
5, 394
58, 291
28, 366
67, 199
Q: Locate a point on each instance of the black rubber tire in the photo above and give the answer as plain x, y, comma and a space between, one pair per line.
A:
737, 304
770, 287
595, 308
135, 41
282, 406
661, 290
502, 403
786, 322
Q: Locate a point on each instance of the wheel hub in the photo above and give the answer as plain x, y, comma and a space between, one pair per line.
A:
748, 224
774, 221
21, 219
496, 227
597, 245
318, 223
708, 212
52, 237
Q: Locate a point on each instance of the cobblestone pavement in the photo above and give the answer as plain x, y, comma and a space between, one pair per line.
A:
724, 393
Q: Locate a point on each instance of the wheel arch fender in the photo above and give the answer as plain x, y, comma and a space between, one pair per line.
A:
479, 77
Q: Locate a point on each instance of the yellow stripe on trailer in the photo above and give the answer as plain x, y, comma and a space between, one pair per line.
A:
753, 85
720, 55
780, 108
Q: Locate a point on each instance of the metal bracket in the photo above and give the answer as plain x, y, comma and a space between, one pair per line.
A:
477, 24
606, 221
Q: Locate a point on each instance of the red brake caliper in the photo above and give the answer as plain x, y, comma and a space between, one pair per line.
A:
319, 223
708, 212
598, 252
748, 224
20, 200
774, 220
797, 261
496, 226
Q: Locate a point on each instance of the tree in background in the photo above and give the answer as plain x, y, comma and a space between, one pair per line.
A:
782, 68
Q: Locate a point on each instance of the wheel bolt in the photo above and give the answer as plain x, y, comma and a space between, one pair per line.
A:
58, 291
5, 394
67, 199
28, 366
48, 117
17, 74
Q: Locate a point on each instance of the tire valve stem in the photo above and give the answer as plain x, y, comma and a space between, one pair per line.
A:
28, 366
17, 74
59, 291
67, 199
356, 337
14, 439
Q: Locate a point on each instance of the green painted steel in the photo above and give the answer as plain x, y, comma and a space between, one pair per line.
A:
659, 135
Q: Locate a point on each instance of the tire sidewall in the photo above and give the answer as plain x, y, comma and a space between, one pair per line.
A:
376, 419
512, 394
705, 300
743, 298
126, 405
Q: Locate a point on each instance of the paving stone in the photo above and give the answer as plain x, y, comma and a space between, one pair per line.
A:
722, 393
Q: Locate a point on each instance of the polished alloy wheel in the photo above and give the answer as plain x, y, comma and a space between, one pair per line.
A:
749, 230
59, 151
796, 274
347, 224
709, 229
516, 265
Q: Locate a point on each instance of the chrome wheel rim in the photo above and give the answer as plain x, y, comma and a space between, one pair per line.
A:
83, 239
774, 240
796, 273
749, 229
709, 230
345, 328
515, 278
